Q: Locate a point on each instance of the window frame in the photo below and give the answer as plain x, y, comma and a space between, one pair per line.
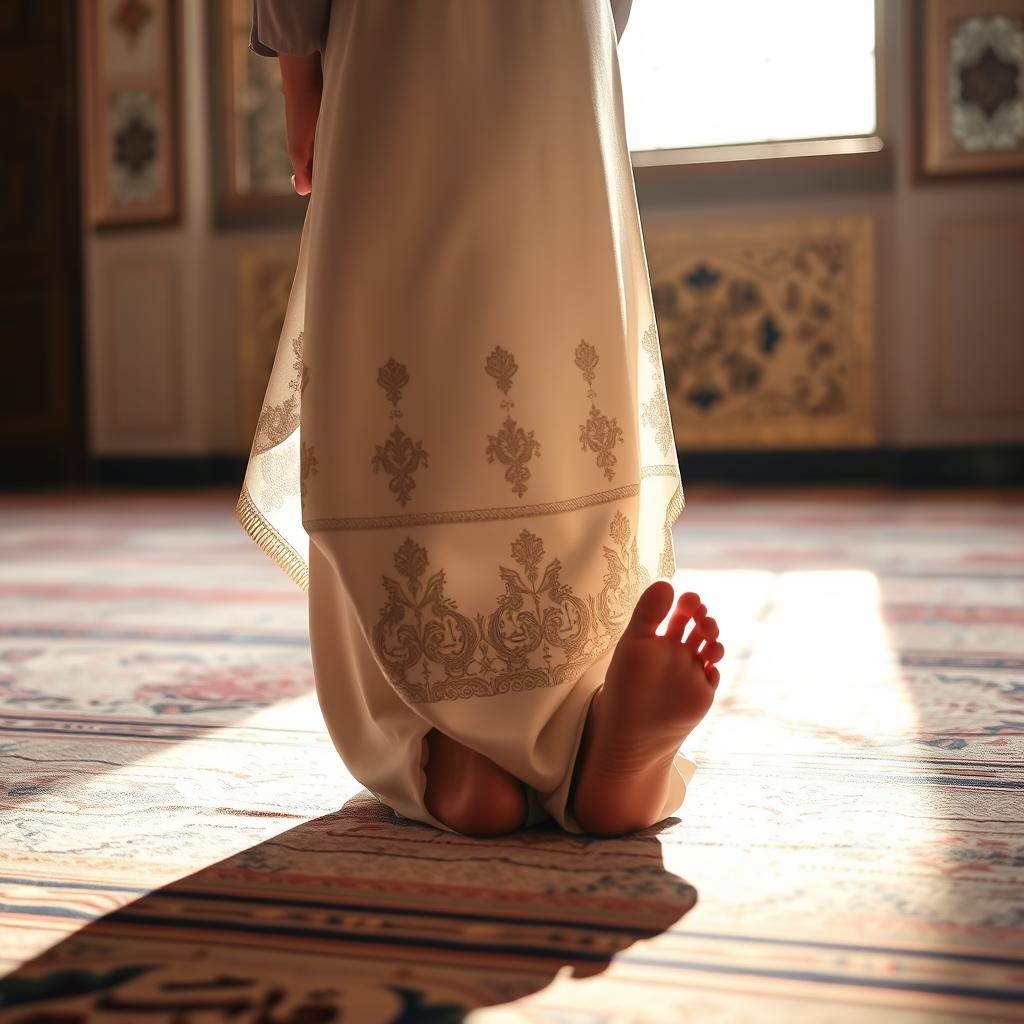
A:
869, 152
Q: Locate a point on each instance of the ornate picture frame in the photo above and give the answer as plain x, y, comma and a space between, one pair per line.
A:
251, 163
129, 77
767, 332
970, 84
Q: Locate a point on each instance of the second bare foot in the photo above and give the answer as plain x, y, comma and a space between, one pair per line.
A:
468, 792
656, 690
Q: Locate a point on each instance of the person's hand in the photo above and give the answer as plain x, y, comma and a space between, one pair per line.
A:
302, 83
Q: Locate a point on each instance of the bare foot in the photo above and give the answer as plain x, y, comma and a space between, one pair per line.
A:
469, 792
656, 689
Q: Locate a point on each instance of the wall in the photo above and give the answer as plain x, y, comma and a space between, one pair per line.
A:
161, 304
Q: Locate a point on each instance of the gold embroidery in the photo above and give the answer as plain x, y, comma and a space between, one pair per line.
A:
655, 412
587, 360
308, 465
502, 367
540, 634
600, 434
665, 470
512, 446
400, 456
667, 563
392, 377
300, 374
270, 540
483, 515
649, 343
278, 422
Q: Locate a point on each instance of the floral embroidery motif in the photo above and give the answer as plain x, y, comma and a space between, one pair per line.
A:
502, 367
512, 446
587, 360
539, 634
600, 434
392, 377
278, 422
308, 465
655, 412
400, 456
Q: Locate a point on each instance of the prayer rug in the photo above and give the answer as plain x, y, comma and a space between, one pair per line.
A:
180, 843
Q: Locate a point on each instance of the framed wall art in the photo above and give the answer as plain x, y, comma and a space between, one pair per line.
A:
251, 160
265, 274
767, 332
971, 86
129, 76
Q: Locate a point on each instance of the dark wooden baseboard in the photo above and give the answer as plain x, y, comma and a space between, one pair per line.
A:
169, 471
978, 465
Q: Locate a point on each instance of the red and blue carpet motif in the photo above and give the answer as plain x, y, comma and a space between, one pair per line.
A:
180, 843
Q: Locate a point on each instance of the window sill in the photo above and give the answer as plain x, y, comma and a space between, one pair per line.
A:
862, 153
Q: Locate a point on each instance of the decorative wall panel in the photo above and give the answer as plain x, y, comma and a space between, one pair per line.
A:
265, 274
767, 332
131, 111
142, 384
978, 318
972, 86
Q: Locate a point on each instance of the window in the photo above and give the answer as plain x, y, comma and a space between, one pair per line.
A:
706, 73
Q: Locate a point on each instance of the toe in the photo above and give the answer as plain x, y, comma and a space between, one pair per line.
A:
705, 630
653, 605
712, 674
697, 635
688, 606
712, 652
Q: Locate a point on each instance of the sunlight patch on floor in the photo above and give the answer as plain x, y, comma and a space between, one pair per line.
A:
807, 652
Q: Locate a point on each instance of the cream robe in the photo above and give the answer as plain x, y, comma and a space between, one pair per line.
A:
485, 465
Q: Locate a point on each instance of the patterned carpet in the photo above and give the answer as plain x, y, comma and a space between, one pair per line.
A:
179, 842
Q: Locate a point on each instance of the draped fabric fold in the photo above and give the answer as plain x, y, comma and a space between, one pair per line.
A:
465, 451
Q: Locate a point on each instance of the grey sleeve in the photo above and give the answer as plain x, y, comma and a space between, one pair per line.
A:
295, 27
620, 12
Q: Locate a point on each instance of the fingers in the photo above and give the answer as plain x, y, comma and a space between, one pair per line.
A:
302, 181
686, 608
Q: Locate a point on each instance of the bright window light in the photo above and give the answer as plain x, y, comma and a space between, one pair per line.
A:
721, 72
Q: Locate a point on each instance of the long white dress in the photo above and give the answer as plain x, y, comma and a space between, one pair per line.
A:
467, 415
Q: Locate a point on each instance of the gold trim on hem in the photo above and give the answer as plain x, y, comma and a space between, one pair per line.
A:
674, 509
270, 541
665, 469
478, 515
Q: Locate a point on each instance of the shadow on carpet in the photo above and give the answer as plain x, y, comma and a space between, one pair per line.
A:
359, 916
